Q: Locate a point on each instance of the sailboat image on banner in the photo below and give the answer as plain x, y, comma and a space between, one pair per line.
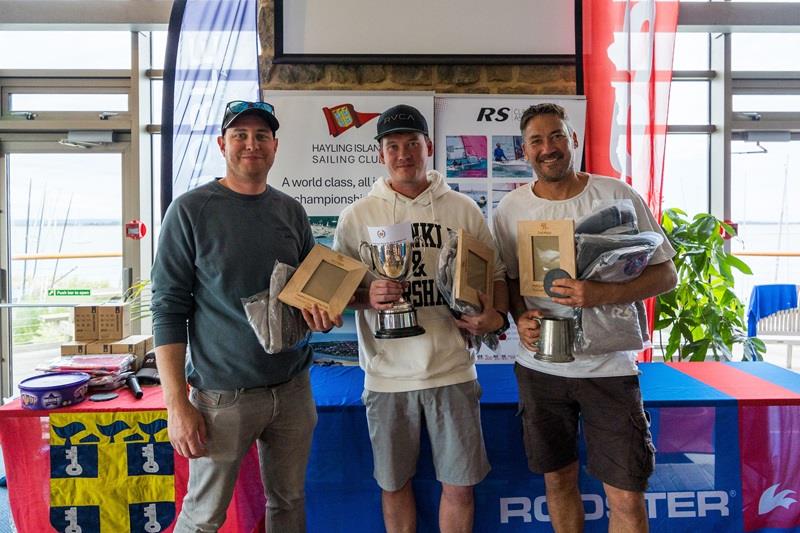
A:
466, 156
508, 160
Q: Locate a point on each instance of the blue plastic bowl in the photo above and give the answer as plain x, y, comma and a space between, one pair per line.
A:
53, 390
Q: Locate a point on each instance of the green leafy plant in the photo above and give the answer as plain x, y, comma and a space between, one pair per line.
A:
705, 316
138, 296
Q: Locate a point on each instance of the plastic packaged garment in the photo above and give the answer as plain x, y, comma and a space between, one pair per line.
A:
278, 327
445, 278
608, 328
614, 256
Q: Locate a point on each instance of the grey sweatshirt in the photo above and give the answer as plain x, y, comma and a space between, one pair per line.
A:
217, 246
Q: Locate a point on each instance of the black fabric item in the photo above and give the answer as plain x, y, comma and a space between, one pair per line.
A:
148, 373
607, 218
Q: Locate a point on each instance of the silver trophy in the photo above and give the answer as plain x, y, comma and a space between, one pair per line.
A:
392, 261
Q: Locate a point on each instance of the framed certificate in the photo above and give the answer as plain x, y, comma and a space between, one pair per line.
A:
474, 270
543, 245
325, 278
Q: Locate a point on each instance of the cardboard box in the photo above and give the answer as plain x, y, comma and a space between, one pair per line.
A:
85, 322
98, 347
137, 345
74, 348
113, 321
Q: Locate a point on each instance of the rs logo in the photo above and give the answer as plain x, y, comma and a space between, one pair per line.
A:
770, 500
489, 114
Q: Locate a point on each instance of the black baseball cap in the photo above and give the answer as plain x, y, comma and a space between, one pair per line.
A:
238, 108
401, 118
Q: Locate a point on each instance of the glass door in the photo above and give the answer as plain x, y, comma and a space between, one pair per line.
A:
64, 246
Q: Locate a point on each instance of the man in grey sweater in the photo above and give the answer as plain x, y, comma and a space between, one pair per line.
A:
218, 244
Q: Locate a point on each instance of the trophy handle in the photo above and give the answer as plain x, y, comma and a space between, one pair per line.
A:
361, 254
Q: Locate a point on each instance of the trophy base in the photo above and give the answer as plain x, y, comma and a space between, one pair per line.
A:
398, 322
399, 333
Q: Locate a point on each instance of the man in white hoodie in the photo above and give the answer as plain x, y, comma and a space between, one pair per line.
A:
429, 378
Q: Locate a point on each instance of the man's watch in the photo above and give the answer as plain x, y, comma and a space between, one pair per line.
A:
506, 324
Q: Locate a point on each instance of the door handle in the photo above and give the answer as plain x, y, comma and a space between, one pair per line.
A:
3, 285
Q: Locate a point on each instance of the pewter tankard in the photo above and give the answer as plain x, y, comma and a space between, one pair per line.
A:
556, 335
392, 261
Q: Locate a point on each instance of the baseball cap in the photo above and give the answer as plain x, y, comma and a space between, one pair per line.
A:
401, 118
238, 108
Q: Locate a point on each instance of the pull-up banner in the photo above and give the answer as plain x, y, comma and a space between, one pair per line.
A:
212, 58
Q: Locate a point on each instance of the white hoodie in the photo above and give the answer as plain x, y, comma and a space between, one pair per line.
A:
439, 357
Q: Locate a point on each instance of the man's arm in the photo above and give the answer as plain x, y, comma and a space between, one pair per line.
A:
185, 424
654, 280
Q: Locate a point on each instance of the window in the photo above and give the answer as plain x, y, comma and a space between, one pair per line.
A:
65, 50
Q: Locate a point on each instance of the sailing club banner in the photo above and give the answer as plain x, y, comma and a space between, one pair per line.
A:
327, 153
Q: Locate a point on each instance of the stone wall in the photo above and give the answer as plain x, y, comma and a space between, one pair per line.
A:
481, 79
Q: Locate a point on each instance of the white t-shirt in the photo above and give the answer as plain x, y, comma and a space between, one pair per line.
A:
523, 204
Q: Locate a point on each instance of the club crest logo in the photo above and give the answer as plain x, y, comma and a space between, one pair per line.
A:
111, 472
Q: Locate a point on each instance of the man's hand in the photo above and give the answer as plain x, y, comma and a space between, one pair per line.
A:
383, 293
581, 293
488, 320
187, 431
319, 319
528, 328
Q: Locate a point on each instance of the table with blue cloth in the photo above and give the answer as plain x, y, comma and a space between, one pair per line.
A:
724, 461
766, 300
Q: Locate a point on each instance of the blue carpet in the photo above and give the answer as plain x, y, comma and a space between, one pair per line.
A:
6, 524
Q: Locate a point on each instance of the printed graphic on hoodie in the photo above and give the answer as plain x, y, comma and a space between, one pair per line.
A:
422, 290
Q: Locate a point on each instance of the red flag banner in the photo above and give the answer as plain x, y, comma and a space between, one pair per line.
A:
627, 62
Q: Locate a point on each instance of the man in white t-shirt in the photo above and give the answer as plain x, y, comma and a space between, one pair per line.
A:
600, 390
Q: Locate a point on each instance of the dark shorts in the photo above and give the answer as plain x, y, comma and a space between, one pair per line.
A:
619, 447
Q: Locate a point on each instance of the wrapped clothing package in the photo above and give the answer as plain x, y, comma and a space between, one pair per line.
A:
278, 327
609, 249
608, 328
445, 278
615, 258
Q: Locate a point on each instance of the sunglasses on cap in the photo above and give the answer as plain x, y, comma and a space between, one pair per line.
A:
237, 106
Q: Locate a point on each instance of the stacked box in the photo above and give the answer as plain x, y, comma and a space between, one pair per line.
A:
113, 321
137, 345
74, 348
85, 321
97, 326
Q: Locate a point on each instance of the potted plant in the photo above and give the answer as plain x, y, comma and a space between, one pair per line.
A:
703, 313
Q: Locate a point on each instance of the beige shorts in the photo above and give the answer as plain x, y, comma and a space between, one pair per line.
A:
452, 418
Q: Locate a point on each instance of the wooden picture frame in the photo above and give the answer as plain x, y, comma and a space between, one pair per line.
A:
543, 245
326, 278
474, 269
